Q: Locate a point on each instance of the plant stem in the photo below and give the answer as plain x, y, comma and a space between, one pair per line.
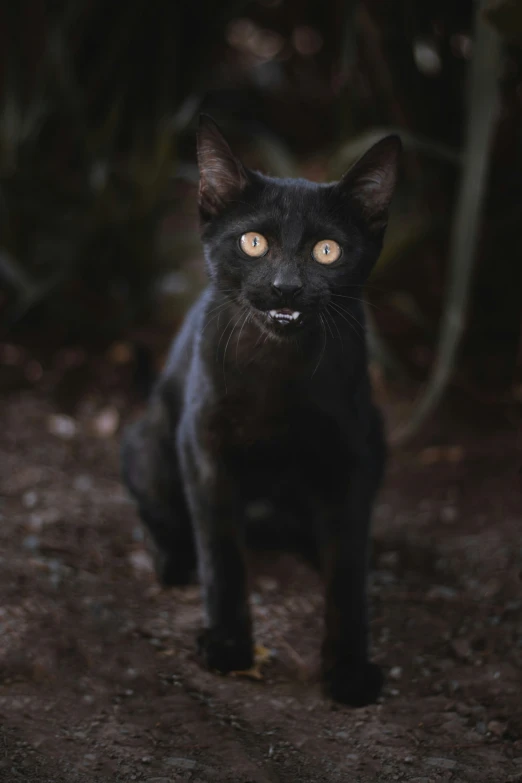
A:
483, 101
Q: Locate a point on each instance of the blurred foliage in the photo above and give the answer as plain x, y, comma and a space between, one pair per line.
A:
98, 226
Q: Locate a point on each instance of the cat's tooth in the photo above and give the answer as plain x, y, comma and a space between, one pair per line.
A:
295, 315
273, 313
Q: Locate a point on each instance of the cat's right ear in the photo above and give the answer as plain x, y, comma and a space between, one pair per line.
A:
221, 175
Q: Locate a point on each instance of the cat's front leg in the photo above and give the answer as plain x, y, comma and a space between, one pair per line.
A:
225, 644
348, 675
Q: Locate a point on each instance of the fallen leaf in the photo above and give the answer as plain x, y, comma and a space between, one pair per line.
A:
261, 656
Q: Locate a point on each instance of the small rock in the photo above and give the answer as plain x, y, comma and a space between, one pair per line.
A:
138, 534
146, 759
31, 542
268, 584
480, 728
496, 727
35, 523
37, 520
82, 483
29, 499
120, 353
461, 648
448, 514
181, 763
106, 422
141, 561
396, 672
62, 426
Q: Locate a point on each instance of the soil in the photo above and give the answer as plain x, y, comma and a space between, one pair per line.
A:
98, 679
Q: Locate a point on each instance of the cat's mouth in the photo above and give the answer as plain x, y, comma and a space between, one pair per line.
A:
284, 316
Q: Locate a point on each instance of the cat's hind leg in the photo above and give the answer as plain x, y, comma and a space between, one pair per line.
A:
150, 471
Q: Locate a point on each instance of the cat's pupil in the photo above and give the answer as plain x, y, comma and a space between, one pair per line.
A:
255, 242
326, 249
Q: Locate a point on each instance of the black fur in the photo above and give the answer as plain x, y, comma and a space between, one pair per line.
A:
250, 411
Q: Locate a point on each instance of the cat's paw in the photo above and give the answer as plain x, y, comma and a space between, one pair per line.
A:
355, 685
225, 652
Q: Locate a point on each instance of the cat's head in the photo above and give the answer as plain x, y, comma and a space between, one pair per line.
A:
286, 248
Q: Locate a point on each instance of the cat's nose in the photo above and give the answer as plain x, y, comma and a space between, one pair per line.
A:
285, 287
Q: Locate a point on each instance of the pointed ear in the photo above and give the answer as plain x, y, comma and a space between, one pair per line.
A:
371, 181
222, 176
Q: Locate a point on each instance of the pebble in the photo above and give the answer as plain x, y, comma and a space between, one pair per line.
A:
141, 561
82, 483
37, 520
268, 584
106, 422
448, 514
138, 534
31, 542
461, 648
181, 763
396, 672
496, 727
62, 426
441, 591
29, 499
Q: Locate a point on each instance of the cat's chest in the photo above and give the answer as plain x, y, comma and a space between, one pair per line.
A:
251, 416
270, 425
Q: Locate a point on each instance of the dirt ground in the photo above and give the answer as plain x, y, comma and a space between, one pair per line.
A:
98, 680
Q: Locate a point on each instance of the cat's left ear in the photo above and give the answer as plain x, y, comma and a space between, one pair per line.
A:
222, 177
371, 181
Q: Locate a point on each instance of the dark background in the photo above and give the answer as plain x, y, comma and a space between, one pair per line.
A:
98, 108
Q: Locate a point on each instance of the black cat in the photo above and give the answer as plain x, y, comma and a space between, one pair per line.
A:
266, 397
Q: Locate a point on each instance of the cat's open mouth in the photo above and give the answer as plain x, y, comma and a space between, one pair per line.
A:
284, 316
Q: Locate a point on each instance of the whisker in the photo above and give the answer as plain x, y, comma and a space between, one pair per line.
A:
340, 309
357, 299
247, 318
226, 346
339, 312
222, 335
324, 345
328, 324
219, 310
327, 314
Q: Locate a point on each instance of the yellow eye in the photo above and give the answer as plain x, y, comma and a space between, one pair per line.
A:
254, 244
326, 251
